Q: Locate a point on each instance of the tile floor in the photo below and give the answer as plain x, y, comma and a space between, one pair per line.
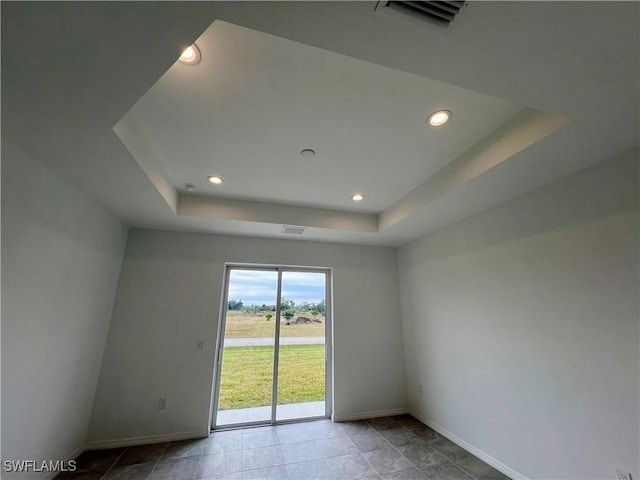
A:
390, 448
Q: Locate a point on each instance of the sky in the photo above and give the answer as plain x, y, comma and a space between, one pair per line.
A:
257, 287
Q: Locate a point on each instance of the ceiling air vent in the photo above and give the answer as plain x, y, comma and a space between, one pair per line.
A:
292, 230
439, 13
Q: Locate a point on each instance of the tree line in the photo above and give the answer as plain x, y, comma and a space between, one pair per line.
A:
288, 308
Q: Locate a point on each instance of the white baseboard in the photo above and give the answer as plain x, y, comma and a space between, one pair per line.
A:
52, 475
131, 441
347, 417
497, 464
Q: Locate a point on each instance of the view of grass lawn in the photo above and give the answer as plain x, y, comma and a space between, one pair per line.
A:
241, 325
247, 374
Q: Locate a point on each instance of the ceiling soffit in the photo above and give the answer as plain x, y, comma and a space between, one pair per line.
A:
256, 100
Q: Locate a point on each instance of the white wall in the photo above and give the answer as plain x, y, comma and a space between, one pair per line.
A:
169, 297
61, 256
521, 324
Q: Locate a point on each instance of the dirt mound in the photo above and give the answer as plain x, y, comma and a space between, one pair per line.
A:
306, 320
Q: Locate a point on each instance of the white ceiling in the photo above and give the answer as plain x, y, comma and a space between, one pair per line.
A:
255, 101
538, 90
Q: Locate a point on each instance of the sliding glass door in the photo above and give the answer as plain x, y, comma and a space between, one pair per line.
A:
273, 346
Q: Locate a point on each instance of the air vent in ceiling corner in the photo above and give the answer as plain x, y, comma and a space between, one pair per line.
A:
438, 13
292, 230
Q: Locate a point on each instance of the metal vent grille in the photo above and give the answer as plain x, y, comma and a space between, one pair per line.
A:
292, 230
441, 13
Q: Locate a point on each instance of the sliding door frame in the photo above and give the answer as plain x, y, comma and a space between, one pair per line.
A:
222, 322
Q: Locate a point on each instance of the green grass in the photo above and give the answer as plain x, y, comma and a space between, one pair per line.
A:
247, 375
240, 325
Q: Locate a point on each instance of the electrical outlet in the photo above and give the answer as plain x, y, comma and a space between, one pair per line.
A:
162, 403
622, 475
420, 391
199, 344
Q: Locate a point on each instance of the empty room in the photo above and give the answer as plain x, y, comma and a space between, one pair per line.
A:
320, 240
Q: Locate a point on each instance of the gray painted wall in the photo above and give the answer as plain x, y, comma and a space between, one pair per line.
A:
61, 257
169, 297
521, 324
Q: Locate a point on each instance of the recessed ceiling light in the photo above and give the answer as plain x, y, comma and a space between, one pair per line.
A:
190, 56
189, 187
358, 197
216, 180
308, 153
439, 118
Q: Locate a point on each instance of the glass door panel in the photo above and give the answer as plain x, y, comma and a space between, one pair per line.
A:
247, 362
301, 348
